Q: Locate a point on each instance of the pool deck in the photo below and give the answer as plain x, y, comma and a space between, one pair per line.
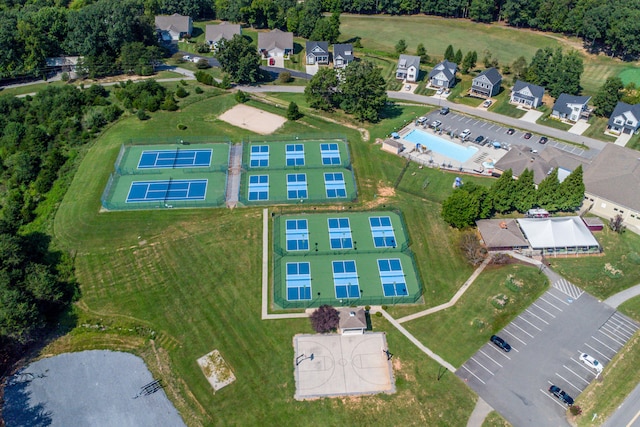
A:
434, 159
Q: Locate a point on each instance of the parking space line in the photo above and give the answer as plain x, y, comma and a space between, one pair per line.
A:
522, 318
482, 366
624, 328
477, 377
461, 118
559, 299
492, 126
569, 382
614, 331
624, 320
502, 352
467, 122
551, 304
492, 359
619, 330
611, 338
575, 373
542, 309
582, 365
612, 349
514, 324
535, 315
599, 352
553, 399
505, 330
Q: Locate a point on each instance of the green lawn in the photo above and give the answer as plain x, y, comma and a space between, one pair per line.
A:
620, 251
631, 308
457, 332
547, 120
502, 105
22, 90
597, 128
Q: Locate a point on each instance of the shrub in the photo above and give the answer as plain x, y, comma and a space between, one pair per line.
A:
378, 314
181, 126
325, 319
205, 78
499, 301
181, 92
367, 307
203, 47
183, 82
284, 77
471, 248
241, 97
112, 112
142, 115
64, 77
198, 90
616, 224
203, 64
169, 103
575, 410
634, 257
293, 112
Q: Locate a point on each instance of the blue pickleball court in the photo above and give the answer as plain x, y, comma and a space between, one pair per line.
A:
167, 190
162, 159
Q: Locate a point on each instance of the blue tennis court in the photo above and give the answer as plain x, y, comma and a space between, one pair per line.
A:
297, 234
382, 232
162, 159
334, 185
165, 190
392, 277
345, 279
340, 233
330, 154
298, 281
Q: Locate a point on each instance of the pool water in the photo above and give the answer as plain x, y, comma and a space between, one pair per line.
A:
441, 146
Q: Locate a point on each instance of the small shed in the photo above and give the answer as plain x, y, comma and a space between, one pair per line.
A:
353, 321
537, 213
593, 223
392, 146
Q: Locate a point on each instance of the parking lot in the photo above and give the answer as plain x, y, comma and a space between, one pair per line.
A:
494, 132
547, 340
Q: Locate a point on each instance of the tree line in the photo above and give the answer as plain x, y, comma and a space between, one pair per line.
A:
471, 201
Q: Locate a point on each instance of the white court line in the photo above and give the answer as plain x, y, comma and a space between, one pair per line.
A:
611, 338
559, 299
612, 349
615, 332
569, 382
553, 398
535, 315
599, 352
540, 308
492, 359
575, 373
482, 366
505, 330
514, 324
522, 318
467, 369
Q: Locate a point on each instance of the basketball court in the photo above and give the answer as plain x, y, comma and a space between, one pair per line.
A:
342, 365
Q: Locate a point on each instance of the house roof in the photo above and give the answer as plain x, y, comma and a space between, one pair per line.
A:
60, 61
492, 75
175, 22
352, 318
614, 175
224, 30
558, 232
536, 91
344, 51
407, 61
393, 143
317, 48
275, 39
625, 110
563, 101
445, 67
501, 233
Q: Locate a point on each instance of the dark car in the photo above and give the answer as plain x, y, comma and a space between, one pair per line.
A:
479, 139
510, 131
564, 397
500, 343
527, 135
444, 111
543, 140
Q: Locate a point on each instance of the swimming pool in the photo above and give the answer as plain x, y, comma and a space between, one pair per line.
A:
441, 146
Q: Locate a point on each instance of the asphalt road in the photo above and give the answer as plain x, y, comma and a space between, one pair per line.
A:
628, 413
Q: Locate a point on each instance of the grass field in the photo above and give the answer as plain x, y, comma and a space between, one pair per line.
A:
597, 128
631, 308
630, 75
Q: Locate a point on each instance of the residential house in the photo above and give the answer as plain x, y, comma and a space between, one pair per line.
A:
342, 55
611, 185
275, 43
173, 27
526, 94
62, 63
408, 68
443, 74
317, 53
624, 119
486, 84
571, 107
223, 31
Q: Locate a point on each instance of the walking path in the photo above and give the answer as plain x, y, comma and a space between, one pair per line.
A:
479, 413
233, 178
617, 299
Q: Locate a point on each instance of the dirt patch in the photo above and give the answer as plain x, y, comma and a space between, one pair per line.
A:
216, 370
382, 196
253, 119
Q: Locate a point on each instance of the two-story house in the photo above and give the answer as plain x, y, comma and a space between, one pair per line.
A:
173, 27
213, 34
443, 74
486, 84
526, 94
275, 44
571, 107
408, 68
317, 53
624, 119
342, 55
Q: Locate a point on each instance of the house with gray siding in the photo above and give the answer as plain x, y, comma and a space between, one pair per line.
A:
408, 68
624, 119
526, 94
443, 74
571, 107
342, 55
486, 84
317, 52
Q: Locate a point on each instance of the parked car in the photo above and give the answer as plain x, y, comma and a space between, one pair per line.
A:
563, 396
436, 123
543, 140
510, 131
440, 91
407, 87
465, 134
479, 139
186, 58
591, 362
487, 103
500, 343
421, 120
527, 135
444, 111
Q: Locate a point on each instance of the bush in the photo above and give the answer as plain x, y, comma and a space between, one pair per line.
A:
181, 126
378, 314
64, 77
183, 82
284, 77
112, 112
198, 90
499, 301
203, 64
293, 112
241, 97
325, 319
205, 78
203, 47
169, 103
575, 410
181, 92
142, 115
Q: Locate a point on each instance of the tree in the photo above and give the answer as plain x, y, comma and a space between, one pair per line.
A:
325, 319
422, 53
572, 191
538, 71
241, 97
483, 194
608, 96
468, 62
503, 192
239, 59
293, 112
470, 246
285, 77
481, 10
401, 46
449, 54
460, 209
320, 93
617, 224
458, 57
519, 68
548, 192
363, 91
525, 192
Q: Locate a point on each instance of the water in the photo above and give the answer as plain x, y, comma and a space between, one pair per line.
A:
441, 146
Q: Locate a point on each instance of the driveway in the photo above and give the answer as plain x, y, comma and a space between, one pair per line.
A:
580, 127
623, 139
531, 116
312, 69
547, 340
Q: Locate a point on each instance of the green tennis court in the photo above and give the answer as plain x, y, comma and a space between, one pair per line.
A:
343, 259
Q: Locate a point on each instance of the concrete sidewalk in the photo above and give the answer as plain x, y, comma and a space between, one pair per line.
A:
619, 298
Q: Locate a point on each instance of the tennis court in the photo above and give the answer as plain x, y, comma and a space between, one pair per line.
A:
182, 189
343, 259
155, 159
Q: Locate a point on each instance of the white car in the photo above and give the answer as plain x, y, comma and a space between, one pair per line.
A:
440, 91
465, 134
186, 58
407, 87
591, 362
